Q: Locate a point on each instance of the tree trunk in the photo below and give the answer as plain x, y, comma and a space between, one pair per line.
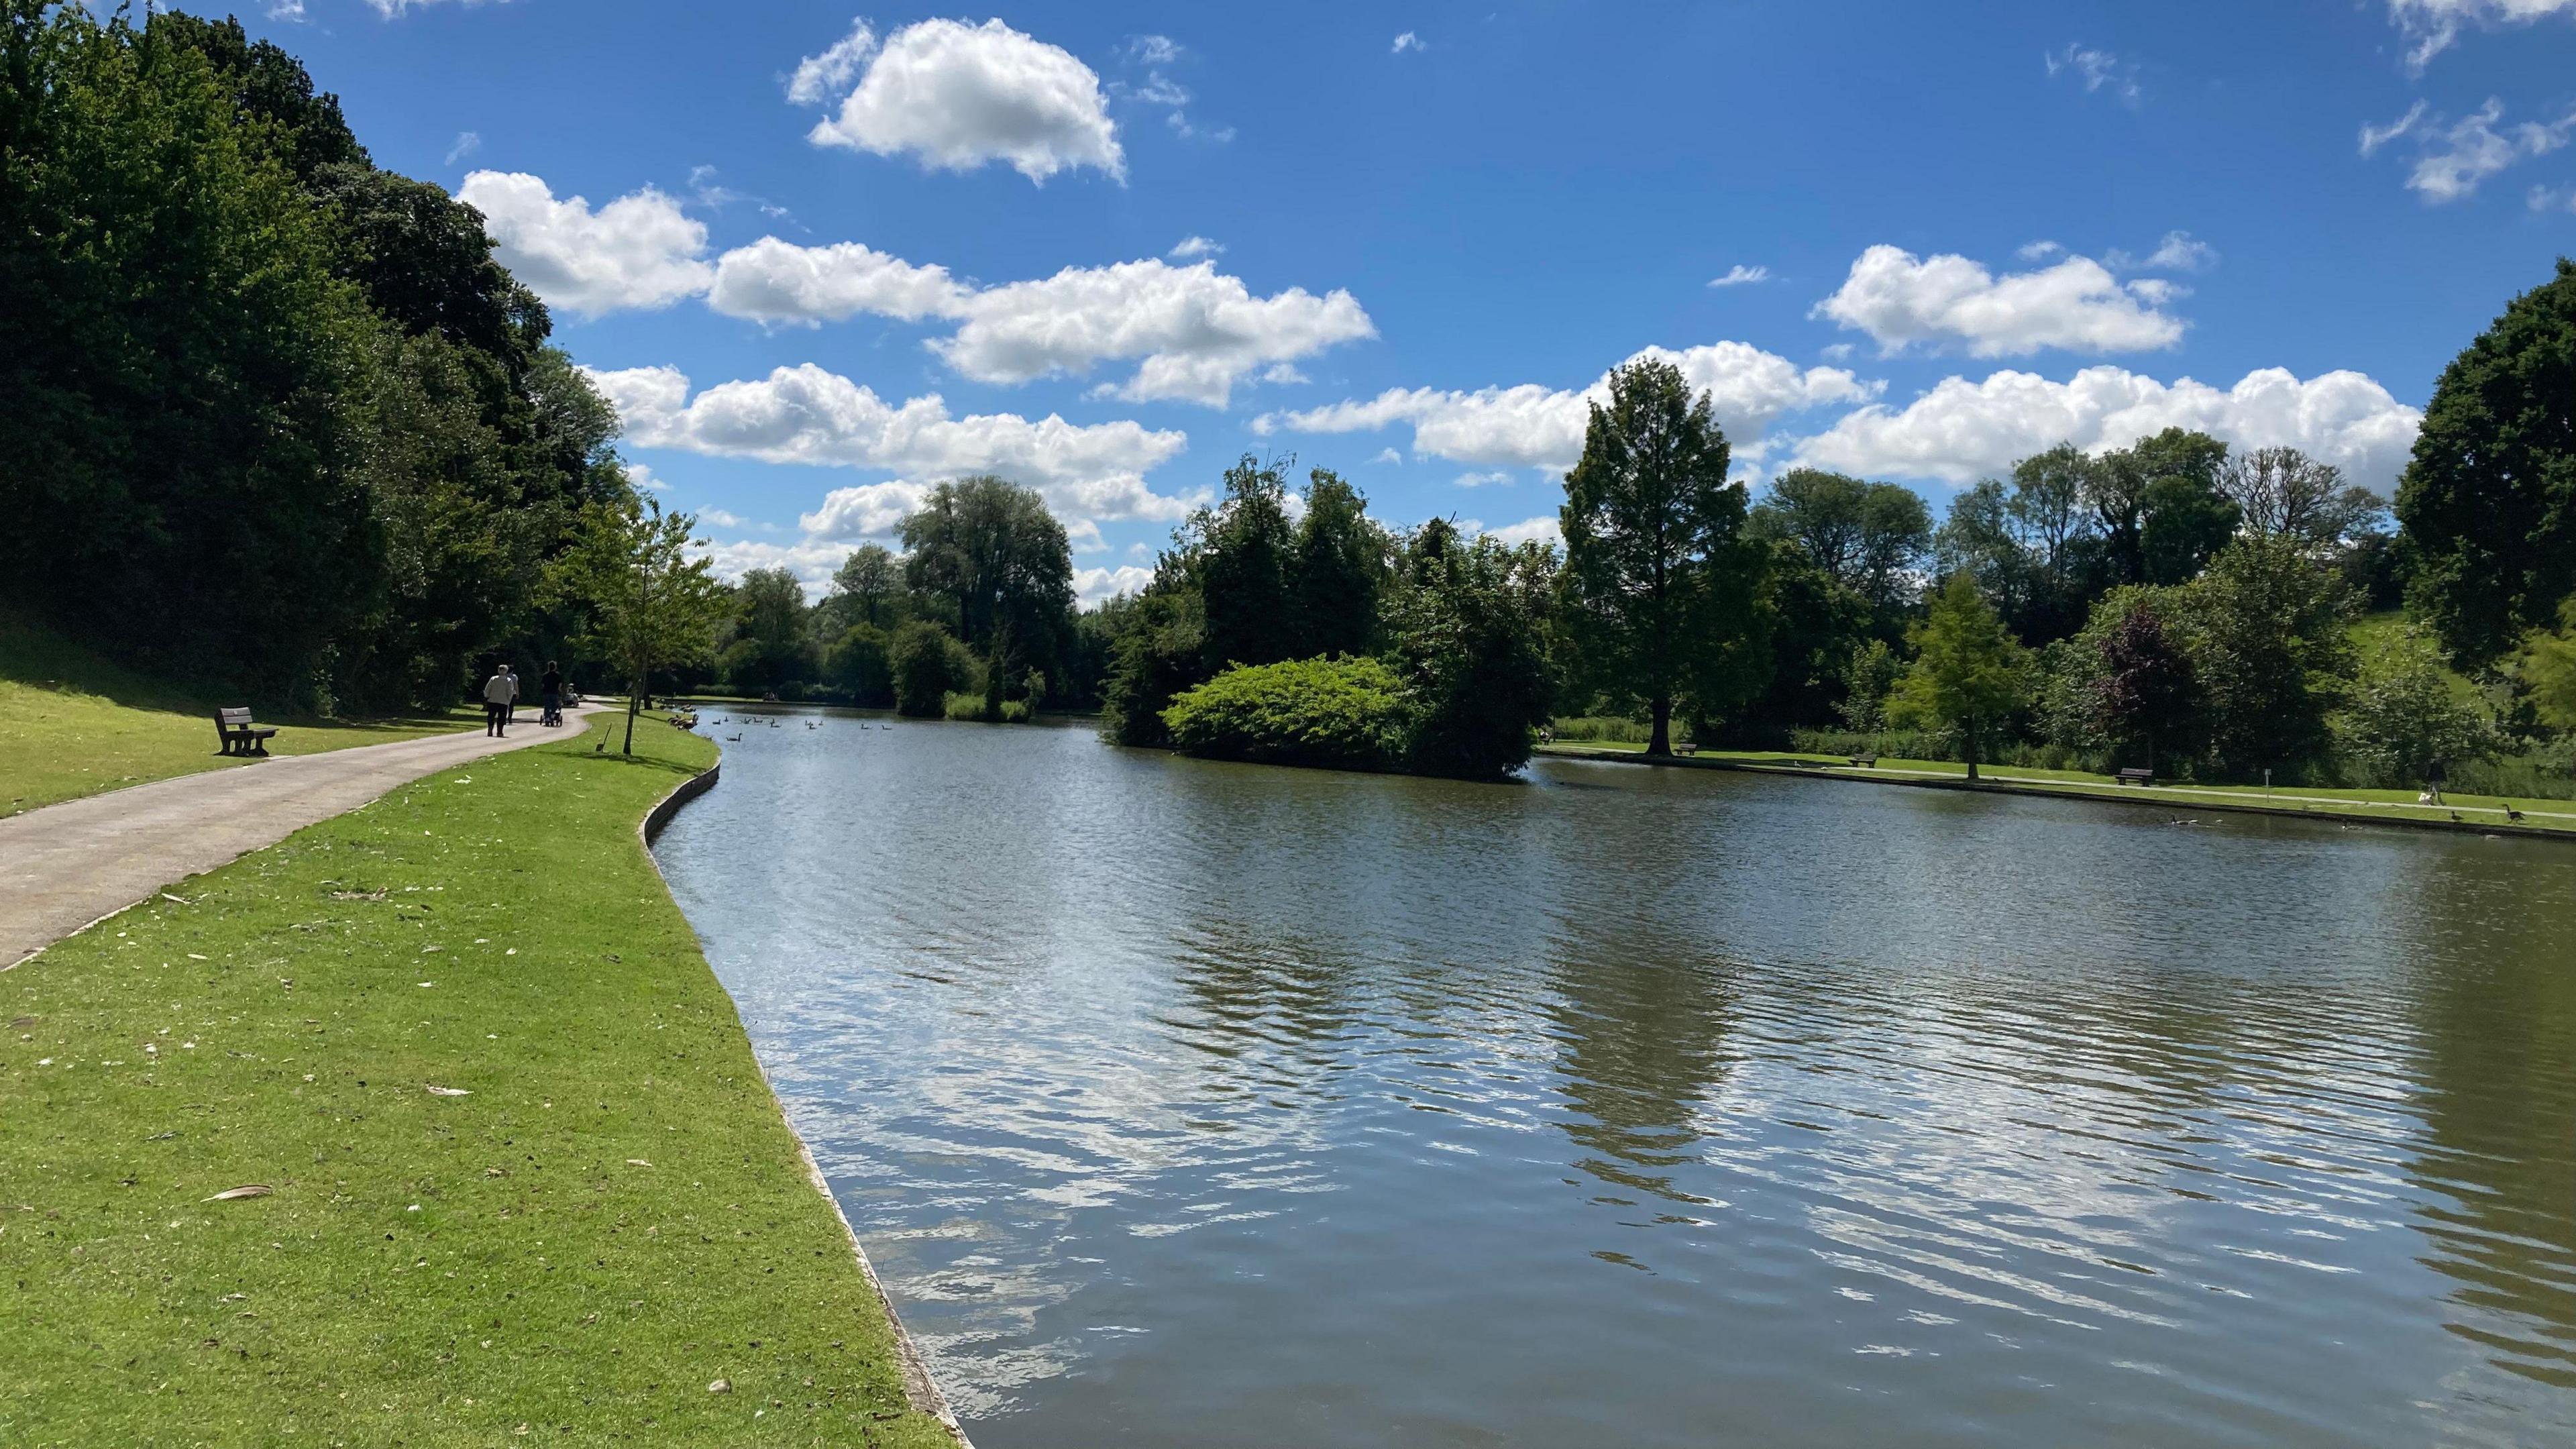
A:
633, 707
1968, 737
1661, 743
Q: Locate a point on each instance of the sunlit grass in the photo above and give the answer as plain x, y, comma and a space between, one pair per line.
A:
598, 1212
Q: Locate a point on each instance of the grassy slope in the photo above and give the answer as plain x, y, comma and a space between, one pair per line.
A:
430, 1269
72, 724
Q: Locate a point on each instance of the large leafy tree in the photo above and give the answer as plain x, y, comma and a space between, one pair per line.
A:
1969, 674
2404, 717
2487, 506
1868, 537
2267, 629
994, 552
1661, 584
2158, 507
1242, 552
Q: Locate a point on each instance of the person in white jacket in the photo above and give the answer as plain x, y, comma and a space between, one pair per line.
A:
499, 693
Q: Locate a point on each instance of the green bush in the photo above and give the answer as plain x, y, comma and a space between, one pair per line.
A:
928, 664
969, 707
1344, 712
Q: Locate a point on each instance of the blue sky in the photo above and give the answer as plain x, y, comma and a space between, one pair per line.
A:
822, 257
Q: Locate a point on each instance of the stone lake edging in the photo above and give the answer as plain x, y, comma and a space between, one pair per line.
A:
918, 1386
2145, 795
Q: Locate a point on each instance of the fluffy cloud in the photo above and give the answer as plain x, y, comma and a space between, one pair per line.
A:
1409, 41
2452, 157
873, 510
637, 251
1093, 586
808, 415
1961, 430
1542, 427
812, 561
2434, 24
1196, 330
772, 281
1900, 299
2180, 251
1542, 529
1191, 248
957, 96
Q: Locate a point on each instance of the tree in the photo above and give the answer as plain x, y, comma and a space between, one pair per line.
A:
994, 552
2148, 691
769, 617
646, 603
860, 665
2153, 501
927, 663
2487, 505
1239, 554
1868, 537
2404, 717
1871, 673
2284, 493
1968, 674
2549, 671
2266, 626
1466, 632
1336, 569
1158, 648
868, 587
1660, 583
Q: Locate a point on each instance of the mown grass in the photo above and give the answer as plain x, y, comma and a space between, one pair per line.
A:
429, 1269
2483, 810
73, 724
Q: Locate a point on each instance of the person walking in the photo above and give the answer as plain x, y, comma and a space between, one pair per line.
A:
550, 689
499, 693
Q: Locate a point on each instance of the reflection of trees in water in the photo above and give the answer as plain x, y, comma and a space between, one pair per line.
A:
2498, 1029
1269, 1006
1643, 1038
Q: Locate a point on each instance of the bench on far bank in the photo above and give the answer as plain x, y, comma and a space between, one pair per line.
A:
2132, 775
1863, 762
239, 736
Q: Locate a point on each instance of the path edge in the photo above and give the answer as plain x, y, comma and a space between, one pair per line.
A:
919, 1388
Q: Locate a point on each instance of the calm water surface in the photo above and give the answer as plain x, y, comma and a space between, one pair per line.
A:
1187, 1104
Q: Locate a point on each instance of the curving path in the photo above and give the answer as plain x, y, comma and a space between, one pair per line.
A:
68, 865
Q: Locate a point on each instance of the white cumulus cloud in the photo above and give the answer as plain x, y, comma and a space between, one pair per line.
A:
1962, 430
1409, 41
1542, 529
812, 561
809, 415
871, 510
1191, 248
957, 96
1195, 331
1542, 427
640, 250
1948, 301
773, 281
1096, 586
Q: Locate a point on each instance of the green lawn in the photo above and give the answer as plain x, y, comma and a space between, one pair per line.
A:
72, 724
2539, 815
525, 1169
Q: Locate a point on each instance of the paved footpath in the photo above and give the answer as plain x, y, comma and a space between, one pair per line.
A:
65, 866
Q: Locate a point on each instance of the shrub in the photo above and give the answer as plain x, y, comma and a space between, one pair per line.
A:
1344, 712
927, 665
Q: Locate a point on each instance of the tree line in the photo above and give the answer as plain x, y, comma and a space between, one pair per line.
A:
277, 422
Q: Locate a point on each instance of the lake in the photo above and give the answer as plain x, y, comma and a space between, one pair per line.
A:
1195, 1104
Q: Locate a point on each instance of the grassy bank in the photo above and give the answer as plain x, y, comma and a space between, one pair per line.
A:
72, 724
2556, 817
525, 1170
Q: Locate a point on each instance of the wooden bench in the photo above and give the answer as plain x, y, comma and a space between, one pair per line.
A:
1863, 762
239, 735
2132, 775
1686, 747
